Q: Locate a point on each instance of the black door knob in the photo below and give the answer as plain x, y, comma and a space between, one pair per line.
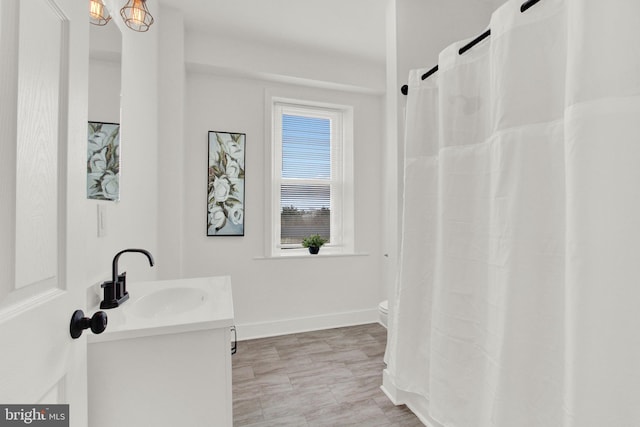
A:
97, 323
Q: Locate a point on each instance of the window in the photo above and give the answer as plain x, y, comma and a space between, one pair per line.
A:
312, 176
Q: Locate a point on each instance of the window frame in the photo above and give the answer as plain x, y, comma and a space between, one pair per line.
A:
341, 180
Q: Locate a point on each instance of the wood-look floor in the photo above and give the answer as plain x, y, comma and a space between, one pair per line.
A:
323, 378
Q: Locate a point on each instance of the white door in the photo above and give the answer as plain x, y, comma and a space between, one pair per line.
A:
43, 116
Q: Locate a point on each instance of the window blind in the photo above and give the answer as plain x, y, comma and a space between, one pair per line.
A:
305, 190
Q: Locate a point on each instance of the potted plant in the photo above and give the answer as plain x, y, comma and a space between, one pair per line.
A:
313, 242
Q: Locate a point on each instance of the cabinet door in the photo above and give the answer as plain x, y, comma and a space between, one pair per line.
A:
165, 380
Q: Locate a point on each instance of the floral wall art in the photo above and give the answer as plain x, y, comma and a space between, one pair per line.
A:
225, 190
103, 161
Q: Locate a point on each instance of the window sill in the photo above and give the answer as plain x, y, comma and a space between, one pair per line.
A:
300, 254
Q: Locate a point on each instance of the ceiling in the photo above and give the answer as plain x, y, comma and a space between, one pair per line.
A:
351, 27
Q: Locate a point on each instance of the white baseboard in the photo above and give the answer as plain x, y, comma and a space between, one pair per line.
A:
249, 331
418, 404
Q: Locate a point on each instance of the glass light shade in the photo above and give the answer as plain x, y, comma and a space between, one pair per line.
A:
98, 13
136, 15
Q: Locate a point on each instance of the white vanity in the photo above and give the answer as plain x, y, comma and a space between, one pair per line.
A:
165, 357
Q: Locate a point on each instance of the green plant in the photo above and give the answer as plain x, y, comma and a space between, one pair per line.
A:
315, 240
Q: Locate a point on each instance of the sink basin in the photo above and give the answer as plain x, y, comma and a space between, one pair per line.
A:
160, 307
168, 302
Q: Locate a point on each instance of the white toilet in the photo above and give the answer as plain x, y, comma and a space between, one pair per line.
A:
383, 312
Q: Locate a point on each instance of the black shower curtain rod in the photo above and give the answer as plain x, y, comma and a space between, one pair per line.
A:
526, 5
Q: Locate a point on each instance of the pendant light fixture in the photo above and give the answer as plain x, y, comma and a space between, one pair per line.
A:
136, 15
98, 13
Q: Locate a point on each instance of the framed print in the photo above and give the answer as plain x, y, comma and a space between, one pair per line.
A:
225, 189
103, 161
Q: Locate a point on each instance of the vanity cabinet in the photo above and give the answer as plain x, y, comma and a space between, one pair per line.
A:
159, 372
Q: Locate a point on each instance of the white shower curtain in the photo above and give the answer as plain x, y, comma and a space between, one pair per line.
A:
518, 297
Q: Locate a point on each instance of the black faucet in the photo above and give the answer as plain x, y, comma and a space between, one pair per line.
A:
115, 290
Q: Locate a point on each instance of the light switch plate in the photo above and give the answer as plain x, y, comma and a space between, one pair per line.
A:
102, 220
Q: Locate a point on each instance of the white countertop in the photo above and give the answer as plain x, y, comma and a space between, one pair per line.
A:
206, 303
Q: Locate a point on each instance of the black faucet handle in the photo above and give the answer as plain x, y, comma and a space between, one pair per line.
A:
115, 293
121, 287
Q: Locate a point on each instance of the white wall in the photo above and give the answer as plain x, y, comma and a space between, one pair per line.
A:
171, 114
256, 59
424, 28
274, 296
133, 221
390, 231
137, 217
